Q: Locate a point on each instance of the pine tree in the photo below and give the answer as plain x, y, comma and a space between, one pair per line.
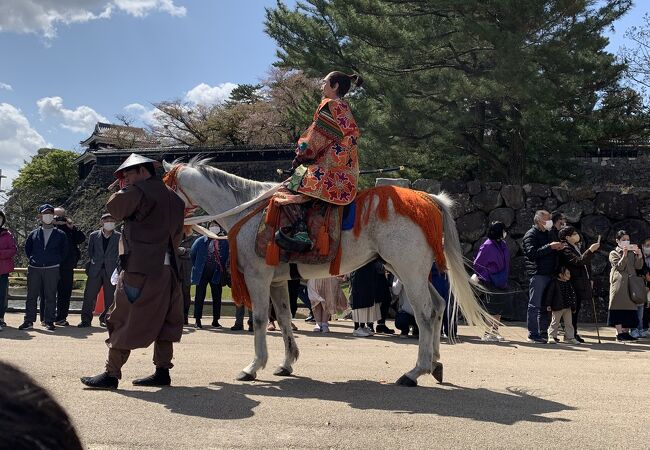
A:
500, 88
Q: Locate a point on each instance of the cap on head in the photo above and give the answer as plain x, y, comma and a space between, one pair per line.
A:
131, 162
45, 207
107, 216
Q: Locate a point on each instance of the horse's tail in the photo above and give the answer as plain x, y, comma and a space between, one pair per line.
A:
464, 296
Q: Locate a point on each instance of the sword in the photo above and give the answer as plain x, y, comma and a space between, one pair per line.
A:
361, 172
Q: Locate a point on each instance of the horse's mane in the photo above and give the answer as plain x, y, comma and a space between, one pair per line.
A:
243, 188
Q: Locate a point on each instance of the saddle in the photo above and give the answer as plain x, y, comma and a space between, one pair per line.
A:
323, 226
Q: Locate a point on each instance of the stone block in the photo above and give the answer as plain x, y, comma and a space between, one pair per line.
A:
513, 196
595, 225
472, 226
462, 205
401, 182
473, 187
505, 215
427, 185
572, 211
616, 206
453, 187
486, 201
493, 185
561, 194
537, 190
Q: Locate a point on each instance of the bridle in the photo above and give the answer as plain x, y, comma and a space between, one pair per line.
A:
171, 180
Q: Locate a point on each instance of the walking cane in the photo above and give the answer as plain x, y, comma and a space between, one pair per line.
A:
593, 303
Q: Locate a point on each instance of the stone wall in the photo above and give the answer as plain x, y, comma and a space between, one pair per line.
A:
592, 211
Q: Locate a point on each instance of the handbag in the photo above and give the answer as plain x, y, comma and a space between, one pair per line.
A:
637, 290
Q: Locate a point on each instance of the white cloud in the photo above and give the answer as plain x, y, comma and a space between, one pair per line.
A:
140, 8
204, 94
80, 120
18, 141
43, 16
147, 115
6, 87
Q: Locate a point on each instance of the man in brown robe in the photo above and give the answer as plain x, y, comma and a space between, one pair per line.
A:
148, 305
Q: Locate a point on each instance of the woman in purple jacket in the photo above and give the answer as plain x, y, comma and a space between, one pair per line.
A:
492, 268
7, 253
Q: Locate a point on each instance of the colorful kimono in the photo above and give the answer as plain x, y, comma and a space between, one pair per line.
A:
327, 152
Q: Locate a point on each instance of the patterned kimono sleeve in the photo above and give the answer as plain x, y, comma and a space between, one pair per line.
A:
320, 136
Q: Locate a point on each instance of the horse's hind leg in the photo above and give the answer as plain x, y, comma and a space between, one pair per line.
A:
280, 299
259, 293
417, 290
439, 305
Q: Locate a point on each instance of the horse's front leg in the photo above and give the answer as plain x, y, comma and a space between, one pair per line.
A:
259, 293
280, 299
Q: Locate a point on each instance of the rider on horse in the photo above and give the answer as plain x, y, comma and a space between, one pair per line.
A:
326, 163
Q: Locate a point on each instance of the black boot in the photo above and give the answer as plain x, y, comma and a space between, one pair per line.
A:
294, 239
101, 381
159, 378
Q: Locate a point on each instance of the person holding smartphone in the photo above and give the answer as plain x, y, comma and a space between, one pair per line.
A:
625, 260
579, 264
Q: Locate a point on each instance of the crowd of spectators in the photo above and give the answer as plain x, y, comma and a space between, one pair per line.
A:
558, 263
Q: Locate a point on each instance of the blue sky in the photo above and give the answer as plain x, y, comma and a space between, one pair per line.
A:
66, 66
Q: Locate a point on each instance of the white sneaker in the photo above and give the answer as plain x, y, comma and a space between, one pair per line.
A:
572, 341
361, 332
635, 333
645, 334
499, 337
317, 328
551, 341
325, 328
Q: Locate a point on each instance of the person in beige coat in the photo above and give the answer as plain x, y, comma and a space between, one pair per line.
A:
625, 260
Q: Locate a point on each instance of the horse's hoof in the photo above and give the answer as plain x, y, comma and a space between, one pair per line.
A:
437, 372
406, 381
243, 376
282, 372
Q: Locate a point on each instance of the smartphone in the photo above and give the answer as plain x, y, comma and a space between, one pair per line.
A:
599, 238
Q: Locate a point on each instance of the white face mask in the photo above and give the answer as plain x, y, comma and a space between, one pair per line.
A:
548, 225
109, 226
47, 218
624, 244
505, 234
215, 229
646, 250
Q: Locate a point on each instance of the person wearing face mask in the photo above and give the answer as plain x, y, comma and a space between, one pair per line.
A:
66, 269
559, 222
625, 260
8, 250
541, 257
209, 258
103, 258
643, 311
46, 247
579, 264
491, 270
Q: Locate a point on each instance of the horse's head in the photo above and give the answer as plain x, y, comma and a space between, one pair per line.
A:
172, 180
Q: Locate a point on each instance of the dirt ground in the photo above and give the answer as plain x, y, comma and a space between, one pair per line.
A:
509, 395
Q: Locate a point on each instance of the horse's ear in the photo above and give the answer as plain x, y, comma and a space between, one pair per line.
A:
166, 166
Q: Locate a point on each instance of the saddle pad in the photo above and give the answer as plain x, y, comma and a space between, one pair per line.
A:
320, 215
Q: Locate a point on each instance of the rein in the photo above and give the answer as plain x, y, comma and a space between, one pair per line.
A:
171, 180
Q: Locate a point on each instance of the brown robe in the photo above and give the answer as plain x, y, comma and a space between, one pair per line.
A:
153, 226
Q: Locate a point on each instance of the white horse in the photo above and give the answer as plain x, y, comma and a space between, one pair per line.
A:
398, 241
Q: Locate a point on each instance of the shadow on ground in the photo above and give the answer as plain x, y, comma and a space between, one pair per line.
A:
232, 401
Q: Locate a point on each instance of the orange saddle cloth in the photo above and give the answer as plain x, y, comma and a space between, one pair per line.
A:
324, 229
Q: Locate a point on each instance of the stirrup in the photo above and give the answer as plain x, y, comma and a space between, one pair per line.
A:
297, 243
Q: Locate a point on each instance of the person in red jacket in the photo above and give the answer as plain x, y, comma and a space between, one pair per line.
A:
8, 250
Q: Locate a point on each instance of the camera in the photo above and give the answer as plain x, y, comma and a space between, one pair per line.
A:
60, 220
